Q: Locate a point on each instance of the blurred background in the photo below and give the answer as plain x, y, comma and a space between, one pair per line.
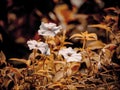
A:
20, 19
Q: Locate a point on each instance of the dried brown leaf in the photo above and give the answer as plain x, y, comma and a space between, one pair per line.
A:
85, 35
102, 26
95, 45
74, 67
55, 85
58, 75
17, 60
2, 58
87, 62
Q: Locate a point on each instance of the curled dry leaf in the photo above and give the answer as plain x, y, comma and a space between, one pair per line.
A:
110, 47
55, 85
58, 75
2, 58
74, 67
111, 17
87, 62
86, 59
115, 9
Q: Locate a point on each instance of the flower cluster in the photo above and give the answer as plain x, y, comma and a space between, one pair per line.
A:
46, 29
49, 29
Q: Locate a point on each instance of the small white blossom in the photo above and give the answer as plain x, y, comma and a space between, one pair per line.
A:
49, 29
70, 55
32, 44
43, 47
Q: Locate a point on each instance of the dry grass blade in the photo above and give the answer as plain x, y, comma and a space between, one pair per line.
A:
17, 60
102, 26
117, 10
110, 8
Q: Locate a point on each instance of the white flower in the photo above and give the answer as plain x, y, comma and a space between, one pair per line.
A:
32, 44
70, 55
43, 47
49, 29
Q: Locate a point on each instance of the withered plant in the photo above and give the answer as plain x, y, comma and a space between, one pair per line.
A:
54, 65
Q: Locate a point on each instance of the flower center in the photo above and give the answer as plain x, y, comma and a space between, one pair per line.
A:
36, 45
69, 54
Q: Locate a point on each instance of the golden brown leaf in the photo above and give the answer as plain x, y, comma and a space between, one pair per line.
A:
2, 58
102, 26
57, 84
85, 35
87, 62
58, 75
95, 45
17, 60
75, 67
